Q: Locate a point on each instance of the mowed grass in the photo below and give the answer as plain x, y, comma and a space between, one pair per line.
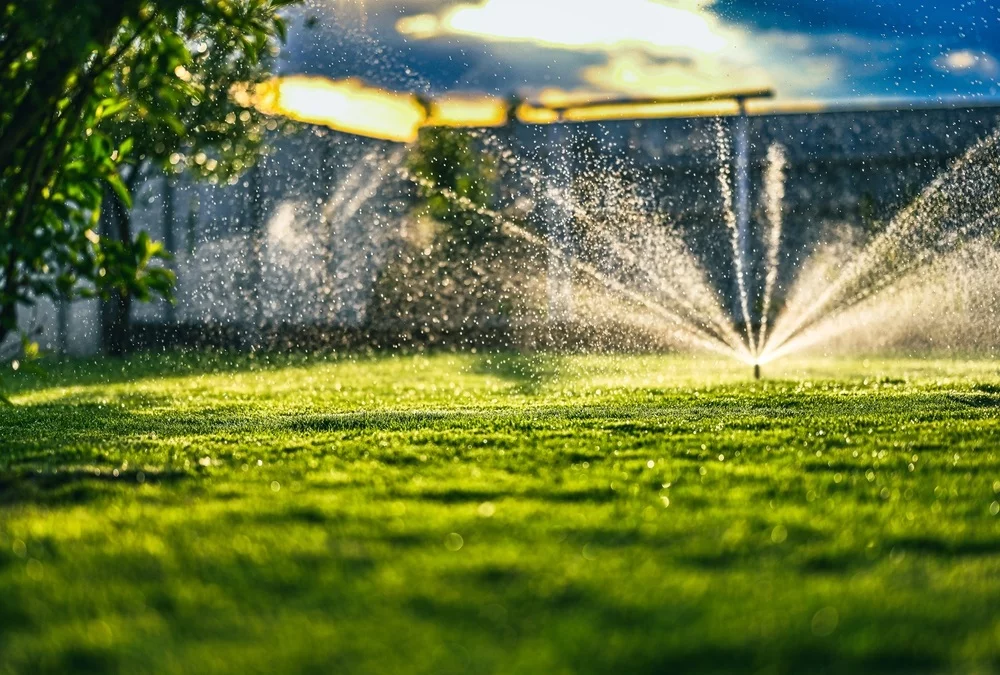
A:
500, 514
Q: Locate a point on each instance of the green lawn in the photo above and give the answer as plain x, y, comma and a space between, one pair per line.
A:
491, 514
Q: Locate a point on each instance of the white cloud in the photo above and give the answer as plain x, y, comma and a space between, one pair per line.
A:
668, 48
639, 75
655, 26
968, 61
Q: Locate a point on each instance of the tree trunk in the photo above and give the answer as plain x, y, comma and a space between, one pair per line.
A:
8, 317
116, 333
8, 310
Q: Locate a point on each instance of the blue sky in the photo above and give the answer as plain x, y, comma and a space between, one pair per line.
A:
810, 49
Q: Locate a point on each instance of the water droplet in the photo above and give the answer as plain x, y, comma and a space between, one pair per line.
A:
779, 534
825, 621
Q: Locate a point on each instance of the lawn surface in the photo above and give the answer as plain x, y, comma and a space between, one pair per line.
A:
499, 514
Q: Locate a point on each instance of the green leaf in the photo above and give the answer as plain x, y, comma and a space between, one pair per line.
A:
126, 147
112, 109
281, 28
116, 183
30, 348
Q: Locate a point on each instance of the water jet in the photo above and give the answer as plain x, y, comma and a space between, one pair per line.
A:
621, 246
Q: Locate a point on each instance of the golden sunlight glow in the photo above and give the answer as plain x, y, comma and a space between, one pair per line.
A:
530, 114
635, 111
638, 75
557, 105
344, 105
475, 112
656, 26
353, 107
554, 97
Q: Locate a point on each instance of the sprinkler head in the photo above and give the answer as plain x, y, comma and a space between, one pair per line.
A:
756, 371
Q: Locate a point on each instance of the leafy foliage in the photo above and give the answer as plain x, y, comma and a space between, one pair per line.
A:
459, 280
186, 91
89, 86
459, 178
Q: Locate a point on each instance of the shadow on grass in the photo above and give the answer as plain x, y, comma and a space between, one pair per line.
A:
38, 432
107, 370
977, 400
945, 547
73, 485
529, 373
520, 417
60, 454
389, 420
593, 495
575, 606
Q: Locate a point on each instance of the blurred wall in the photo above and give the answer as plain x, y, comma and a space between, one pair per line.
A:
300, 240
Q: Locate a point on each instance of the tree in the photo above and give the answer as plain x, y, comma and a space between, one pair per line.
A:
468, 281
83, 81
216, 137
457, 181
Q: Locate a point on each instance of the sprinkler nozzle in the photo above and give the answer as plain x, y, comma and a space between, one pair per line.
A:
756, 371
